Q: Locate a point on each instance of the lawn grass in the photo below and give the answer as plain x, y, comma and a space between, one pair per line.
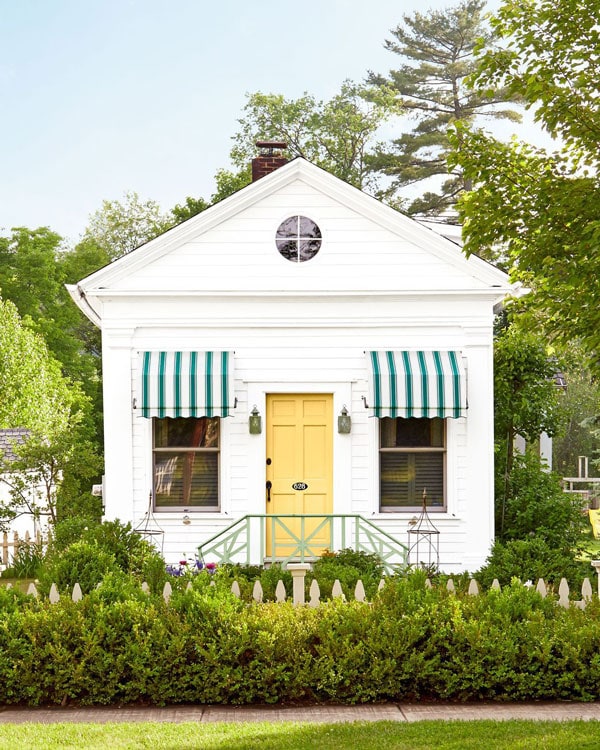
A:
384, 735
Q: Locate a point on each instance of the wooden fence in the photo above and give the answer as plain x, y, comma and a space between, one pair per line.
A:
11, 543
563, 599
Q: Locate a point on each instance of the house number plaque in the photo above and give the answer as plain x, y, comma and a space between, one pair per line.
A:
299, 486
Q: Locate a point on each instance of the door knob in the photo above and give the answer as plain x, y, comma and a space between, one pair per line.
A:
269, 485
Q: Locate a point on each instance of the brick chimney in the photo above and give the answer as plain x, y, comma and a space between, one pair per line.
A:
269, 159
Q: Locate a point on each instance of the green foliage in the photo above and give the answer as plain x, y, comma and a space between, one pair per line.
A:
191, 207
118, 539
34, 393
537, 506
34, 268
270, 577
438, 52
59, 457
246, 575
348, 566
28, 560
529, 560
579, 405
120, 645
228, 183
121, 226
51, 473
525, 396
70, 530
82, 562
526, 403
131, 553
542, 208
334, 134
12, 599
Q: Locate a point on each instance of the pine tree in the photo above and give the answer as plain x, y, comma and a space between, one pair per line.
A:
439, 50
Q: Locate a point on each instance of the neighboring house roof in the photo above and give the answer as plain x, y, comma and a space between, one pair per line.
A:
9, 438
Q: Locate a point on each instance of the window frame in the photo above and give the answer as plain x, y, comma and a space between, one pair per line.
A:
283, 237
413, 450
166, 450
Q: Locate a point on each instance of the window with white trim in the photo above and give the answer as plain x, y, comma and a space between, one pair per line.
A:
298, 239
412, 460
186, 463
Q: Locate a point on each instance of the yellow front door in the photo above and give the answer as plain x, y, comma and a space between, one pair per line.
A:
299, 469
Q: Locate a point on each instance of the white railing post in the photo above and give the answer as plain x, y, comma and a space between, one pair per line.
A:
298, 571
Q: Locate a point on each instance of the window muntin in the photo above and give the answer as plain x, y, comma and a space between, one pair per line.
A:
412, 458
298, 238
186, 463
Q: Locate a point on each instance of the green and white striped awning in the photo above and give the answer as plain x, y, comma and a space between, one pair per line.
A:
417, 384
186, 384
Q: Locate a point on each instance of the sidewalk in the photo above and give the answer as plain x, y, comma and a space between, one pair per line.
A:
403, 712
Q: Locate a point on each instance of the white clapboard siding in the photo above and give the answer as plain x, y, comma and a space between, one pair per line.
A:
379, 282
356, 254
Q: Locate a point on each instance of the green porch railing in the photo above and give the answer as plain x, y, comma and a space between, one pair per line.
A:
292, 537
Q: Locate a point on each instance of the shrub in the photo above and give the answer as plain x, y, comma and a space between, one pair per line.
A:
119, 645
270, 577
347, 566
246, 575
131, 553
82, 563
536, 506
531, 559
71, 530
128, 548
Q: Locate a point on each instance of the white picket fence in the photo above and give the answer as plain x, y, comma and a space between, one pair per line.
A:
314, 599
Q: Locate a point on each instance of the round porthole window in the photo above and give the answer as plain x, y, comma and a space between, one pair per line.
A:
298, 239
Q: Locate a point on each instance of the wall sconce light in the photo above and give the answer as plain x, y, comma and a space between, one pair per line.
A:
186, 520
254, 422
344, 422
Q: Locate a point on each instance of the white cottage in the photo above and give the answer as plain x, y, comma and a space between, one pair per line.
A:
291, 370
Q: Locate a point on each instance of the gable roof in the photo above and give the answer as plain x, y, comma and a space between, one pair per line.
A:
298, 169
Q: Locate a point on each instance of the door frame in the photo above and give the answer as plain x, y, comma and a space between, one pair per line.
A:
257, 444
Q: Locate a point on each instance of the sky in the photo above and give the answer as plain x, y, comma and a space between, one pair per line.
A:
101, 97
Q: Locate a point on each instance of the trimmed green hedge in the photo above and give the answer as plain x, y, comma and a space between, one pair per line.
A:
119, 645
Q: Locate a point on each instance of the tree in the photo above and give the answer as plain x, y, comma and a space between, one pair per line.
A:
543, 208
34, 393
60, 454
525, 401
335, 135
191, 207
439, 52
229, 182
121, 226
579, 404
52, 477
34, 267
